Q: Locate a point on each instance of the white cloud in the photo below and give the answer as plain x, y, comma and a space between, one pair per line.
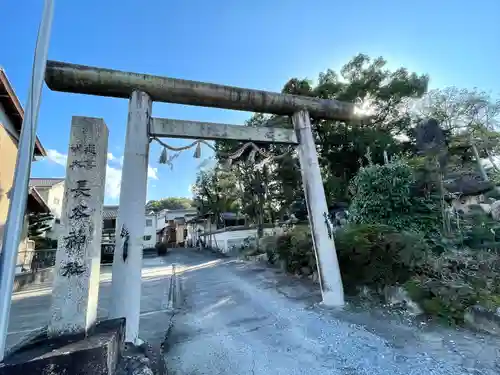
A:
113, 181
113, 173
152, 173
56, 157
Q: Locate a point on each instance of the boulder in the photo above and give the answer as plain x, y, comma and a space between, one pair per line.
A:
482, 319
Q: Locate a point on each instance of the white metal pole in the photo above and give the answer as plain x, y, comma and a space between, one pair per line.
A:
127, 259
19, 192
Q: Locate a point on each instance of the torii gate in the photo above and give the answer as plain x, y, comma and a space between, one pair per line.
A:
142, 90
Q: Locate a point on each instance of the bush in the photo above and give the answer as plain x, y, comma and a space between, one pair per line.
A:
389, 194
161, 248
446, 285
268, 245
295, 248
376, 255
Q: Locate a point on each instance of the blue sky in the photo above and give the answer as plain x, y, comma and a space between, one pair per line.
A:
257, 44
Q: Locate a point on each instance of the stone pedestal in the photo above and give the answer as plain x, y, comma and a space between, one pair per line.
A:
77, 268
97, 353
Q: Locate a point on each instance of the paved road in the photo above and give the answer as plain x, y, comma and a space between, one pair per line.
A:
30, 308
239, 320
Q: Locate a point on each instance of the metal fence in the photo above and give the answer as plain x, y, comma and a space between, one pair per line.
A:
31, 260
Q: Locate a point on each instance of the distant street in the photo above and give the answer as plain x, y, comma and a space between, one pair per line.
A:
243, 319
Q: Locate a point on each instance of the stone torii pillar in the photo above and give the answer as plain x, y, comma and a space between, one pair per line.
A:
127, 259
81, 79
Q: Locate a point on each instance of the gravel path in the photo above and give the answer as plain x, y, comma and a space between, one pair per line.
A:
240, 318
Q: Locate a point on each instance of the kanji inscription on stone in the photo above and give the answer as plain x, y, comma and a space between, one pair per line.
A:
76, 282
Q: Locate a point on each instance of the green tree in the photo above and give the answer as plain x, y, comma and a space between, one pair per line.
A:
389, 194
387, 94
171, 203
471, 118
340, 145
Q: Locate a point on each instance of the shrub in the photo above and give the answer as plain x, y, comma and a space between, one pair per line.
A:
389, 194
377, 255
295, 248
446, 285
268, 245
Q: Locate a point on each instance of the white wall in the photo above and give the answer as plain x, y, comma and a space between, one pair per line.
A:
165, 215
55, 198
149, 231
224, 240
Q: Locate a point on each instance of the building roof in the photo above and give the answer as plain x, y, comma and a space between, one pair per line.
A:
44, 182
109, 212
14, 109
36, 204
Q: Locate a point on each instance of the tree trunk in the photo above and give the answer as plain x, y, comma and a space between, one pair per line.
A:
480, 167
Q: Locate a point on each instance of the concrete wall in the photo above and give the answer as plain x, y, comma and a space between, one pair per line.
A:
226, 239
55, 198
42, 276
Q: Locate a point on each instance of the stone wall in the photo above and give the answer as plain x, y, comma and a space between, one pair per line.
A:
25, 279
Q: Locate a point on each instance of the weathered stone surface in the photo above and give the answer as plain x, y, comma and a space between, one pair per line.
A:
321, 228
145, 359
495, 210
127, 258
81, 79
481, 319
76, 276
162, 127
96, 354
23, 280
397, 296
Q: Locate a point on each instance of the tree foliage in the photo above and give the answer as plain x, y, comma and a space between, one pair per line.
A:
400, 229
340, 145
390, 194
171, 203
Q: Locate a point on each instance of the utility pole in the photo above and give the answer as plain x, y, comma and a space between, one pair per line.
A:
19, 192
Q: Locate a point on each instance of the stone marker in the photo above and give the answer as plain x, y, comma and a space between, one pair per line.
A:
77, 269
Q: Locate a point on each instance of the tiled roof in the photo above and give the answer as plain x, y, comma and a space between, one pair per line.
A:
14, 109
44, 182
109, 212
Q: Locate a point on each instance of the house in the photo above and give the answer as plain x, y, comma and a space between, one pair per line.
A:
172, 226
150, 230
52, 192
109, 216
11, 118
